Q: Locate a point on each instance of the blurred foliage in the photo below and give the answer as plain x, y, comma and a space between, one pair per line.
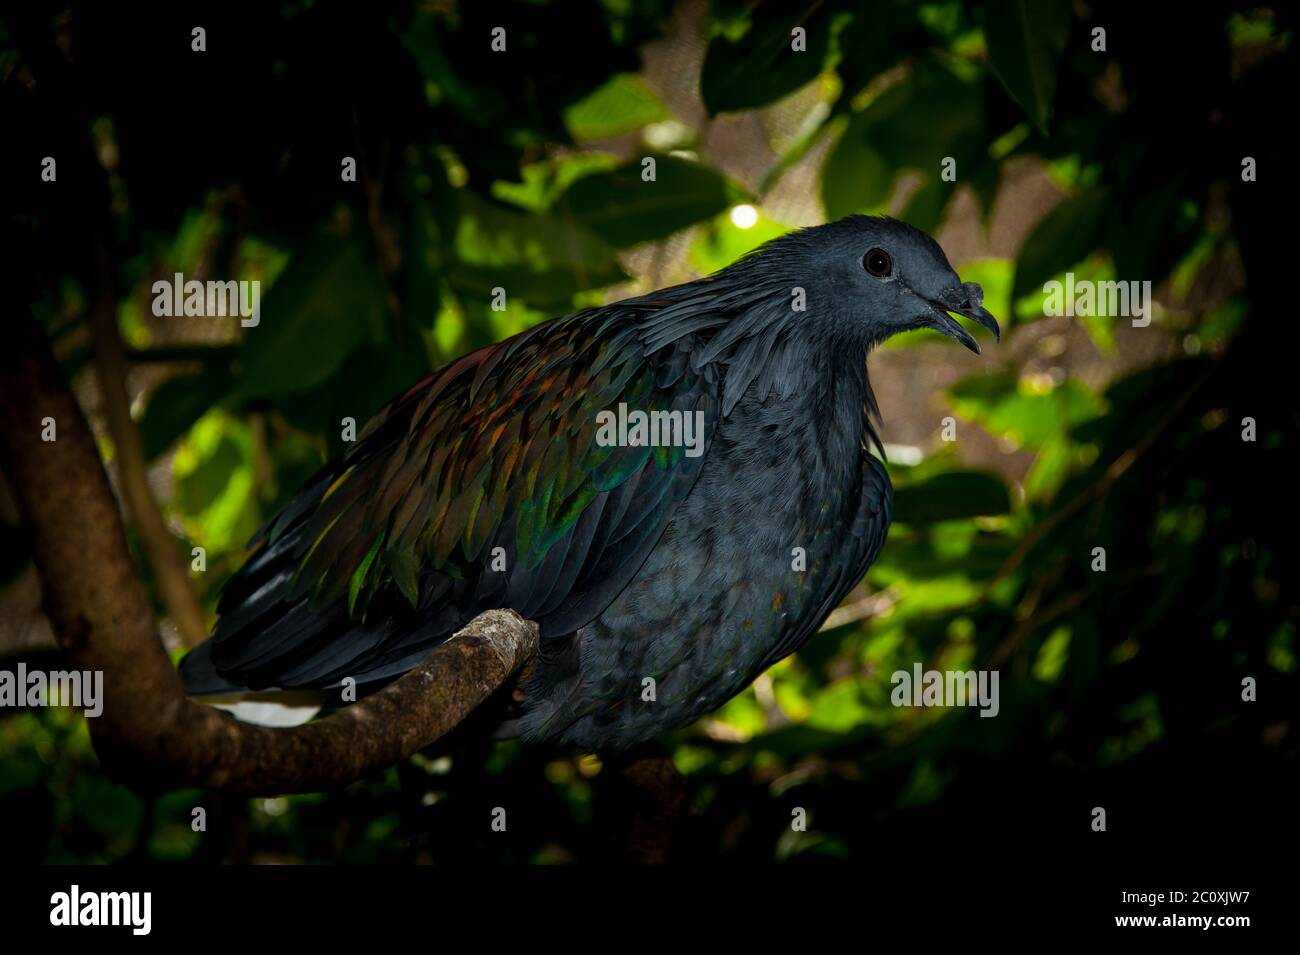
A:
522, 171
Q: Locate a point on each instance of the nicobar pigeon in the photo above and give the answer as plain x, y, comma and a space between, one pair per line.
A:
636, 561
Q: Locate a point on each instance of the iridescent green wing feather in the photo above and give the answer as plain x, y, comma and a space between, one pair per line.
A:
484, 485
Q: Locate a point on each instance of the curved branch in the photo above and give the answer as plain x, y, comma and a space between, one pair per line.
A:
168, 567
150, 733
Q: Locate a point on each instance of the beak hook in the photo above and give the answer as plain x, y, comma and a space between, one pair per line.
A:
967, 301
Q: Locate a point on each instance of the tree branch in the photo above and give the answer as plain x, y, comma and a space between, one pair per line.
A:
150, 733
169, 568
870, 606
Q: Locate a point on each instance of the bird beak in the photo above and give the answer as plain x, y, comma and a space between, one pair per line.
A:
967, 301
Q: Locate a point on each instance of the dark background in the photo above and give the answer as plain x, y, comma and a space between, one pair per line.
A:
1120, 690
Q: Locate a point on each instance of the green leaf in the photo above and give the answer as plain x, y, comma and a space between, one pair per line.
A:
106, 808
422, 41
839, 708
622, 105
1014, 409
543, 259
933, 114
1151, 234
925, 206
1052, 654
915, 561
216, 492
915, 124
1064, 237
1025, 39
762, 66
177, 403
624, 209
950, 496
723, 242
543, 182
856, 178
994, 276
984, 178
363, 384
329, 300
880, 35
426, 251
1050, 468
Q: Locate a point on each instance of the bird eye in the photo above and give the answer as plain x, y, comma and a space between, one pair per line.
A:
878, 263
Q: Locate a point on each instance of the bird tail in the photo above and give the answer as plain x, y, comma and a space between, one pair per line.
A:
201, 676
288, 708
264, 707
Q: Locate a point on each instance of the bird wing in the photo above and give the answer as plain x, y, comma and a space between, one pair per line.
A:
482, 486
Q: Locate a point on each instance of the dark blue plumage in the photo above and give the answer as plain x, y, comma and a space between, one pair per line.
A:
639, 563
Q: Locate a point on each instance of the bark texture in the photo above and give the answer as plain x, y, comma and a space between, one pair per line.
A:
151, 735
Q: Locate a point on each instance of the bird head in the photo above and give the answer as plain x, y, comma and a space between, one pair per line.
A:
881, 277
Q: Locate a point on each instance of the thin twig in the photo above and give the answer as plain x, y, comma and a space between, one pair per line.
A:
867, 607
